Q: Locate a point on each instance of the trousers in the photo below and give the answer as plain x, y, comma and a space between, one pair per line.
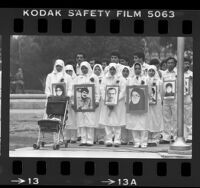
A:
113, 131
87, 135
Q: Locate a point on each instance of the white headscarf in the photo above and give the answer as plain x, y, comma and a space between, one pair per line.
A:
70, 67
124, 68
109, 67
98, 65
153, 67
86, 64
59, 75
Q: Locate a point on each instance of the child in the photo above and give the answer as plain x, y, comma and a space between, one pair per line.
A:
86, 120
100, 130
113, 117
155, 119
71, 128
136, 122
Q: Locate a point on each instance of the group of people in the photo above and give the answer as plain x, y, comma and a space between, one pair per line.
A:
111, 124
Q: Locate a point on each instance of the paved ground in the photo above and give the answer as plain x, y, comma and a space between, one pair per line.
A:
24, 131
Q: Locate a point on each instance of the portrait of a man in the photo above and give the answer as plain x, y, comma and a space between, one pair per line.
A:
187, 86
111, 95
137, 99
153, 95
169, 90
84, 98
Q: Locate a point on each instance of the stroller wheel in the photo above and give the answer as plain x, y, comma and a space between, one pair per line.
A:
42, 144
35, 146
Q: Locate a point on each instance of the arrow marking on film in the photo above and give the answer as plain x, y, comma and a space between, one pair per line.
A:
109, 181
19, 181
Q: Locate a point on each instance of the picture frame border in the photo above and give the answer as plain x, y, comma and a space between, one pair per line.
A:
117, 95
145, 87
189, 86
93, 97
167, 98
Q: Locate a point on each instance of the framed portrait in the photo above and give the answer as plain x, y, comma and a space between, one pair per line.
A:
187, 84
112, 95
84, 98
153, 95
169, 89
59, 89
137, 99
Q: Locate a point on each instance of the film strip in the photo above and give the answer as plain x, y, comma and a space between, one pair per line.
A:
34, 40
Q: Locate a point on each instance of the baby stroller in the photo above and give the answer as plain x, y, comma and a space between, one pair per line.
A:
56, 111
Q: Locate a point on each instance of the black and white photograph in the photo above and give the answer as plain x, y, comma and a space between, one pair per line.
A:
137, 101
111, 95
187, 84
59, 89
101, 86
169, 88
153, 95
0, 91
84, 98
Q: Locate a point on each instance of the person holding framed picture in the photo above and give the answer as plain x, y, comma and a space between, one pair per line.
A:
86, 118
169, 102
188, 77
155, 116
112, 115
136, 121
58, 83
100, 130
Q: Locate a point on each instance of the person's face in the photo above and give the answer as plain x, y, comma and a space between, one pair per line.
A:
186, 65
79, 58
114, 59
170, 64
151, 72
169, 89
92, 63
59, 68
137, 70
112, 71
59, 91
135, 97
111, 94
69, 72
97, 70
84, 69
164, 66
125, 72
104, 64
84, 94
123, 62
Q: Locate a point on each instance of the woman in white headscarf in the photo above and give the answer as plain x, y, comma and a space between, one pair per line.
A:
71, 128
126, 135
99, 131
136, 122
58, 75
155, 117
113, 117
86, 120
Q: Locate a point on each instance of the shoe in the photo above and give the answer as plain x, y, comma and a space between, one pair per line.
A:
73, 142
124, 143
152, 144
95, 142
89, 144
143, 145
79, 138
83, 144
68, 141
116, 145
136, 145
164, 142
108, 145
101, 142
